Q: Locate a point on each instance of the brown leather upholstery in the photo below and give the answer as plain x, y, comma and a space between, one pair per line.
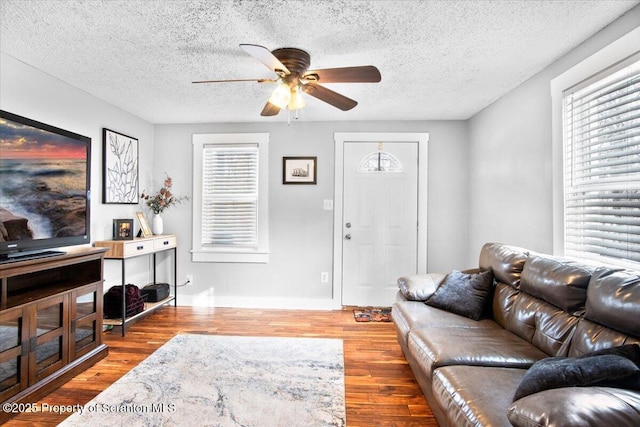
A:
506, 262
577, 407
614, 299
542, 306
561, 283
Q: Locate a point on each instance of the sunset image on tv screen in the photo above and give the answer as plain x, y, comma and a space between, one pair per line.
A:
43, 183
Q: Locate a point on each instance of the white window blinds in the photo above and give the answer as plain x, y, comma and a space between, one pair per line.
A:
230, 196
602, 167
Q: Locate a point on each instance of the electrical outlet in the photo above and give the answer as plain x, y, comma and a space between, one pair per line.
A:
189, 280
324, 277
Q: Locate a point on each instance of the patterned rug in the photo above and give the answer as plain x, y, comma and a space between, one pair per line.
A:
372, 314
213, 380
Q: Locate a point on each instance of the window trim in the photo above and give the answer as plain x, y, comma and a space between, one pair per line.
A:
260, 254
594, 64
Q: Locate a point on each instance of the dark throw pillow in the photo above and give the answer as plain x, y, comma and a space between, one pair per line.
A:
463, 294
630, 351
607, 370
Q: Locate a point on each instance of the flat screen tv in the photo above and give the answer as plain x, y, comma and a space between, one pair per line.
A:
44, 188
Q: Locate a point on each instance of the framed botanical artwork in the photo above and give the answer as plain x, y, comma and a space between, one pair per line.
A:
145, 230
119, 168
122, 229
299, 170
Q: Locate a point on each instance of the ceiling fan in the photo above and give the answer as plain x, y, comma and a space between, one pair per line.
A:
294, 77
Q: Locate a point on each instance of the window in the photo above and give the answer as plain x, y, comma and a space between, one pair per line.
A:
380, 161
601, 142
230, 177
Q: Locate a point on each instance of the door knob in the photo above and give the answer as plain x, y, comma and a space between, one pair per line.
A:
347, 237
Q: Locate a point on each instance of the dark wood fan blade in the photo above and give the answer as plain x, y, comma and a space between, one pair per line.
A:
363, 74
236, 80
263, 55
329, 96
270, 110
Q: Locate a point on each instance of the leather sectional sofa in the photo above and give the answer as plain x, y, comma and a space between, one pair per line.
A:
541, 311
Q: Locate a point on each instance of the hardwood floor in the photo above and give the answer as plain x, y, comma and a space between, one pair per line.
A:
380, 388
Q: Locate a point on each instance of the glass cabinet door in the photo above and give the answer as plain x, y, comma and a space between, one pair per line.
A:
49, 341
14, 352
84, 321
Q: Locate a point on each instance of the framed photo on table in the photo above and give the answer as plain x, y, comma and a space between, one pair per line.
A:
299, 170
122, 229
145, 230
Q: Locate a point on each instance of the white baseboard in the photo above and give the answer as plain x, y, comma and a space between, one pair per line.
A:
267, 303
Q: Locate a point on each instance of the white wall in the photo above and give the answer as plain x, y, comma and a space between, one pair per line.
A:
300, 230
29, 92
510, 156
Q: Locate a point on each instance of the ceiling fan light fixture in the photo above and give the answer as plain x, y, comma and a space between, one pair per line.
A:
281, 96
297, 101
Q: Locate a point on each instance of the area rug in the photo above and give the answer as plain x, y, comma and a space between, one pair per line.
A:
213, 380
372, 314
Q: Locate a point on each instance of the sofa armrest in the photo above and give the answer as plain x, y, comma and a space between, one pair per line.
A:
419, 287
577, 406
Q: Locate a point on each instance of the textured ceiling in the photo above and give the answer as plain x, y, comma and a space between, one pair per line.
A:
438, 59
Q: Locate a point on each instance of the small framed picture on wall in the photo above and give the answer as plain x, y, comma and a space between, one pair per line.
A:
122, 229
299, 170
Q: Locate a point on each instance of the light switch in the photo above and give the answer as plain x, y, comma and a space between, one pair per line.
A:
328, 205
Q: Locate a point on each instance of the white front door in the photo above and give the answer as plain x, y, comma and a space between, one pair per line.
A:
380, 218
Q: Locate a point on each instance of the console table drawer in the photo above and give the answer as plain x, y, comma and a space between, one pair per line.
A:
137, 248
165, 242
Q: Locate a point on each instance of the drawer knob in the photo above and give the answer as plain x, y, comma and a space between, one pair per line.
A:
141, 247
166, 242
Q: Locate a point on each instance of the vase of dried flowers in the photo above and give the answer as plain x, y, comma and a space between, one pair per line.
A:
160, 202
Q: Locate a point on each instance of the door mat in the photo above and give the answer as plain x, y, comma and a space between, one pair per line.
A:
372, 314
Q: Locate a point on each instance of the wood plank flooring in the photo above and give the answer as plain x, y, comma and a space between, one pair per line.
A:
379, 385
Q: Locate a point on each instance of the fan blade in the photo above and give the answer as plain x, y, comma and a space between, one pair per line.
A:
329, 96
363, 74
263, 55
236, 80
270, 110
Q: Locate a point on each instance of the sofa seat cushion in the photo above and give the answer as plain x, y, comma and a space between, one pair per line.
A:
409, 315
577, 407
434, 348
475, 396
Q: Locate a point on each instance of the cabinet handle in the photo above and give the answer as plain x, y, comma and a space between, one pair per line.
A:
166, 242
141, 247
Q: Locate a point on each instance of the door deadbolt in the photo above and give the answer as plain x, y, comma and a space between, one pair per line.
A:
348, 225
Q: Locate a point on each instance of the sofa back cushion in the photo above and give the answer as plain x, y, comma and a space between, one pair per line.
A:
613, 300
544, 325
560, 282
505, 261
612, 312
545, 305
